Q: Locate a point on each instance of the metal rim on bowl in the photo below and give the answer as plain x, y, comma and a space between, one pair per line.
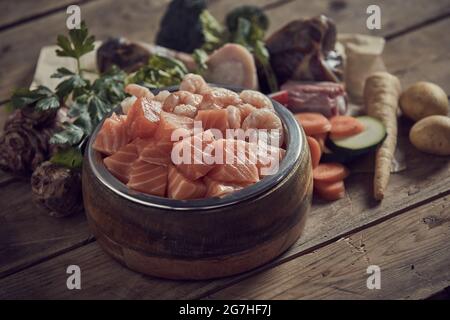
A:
294, 143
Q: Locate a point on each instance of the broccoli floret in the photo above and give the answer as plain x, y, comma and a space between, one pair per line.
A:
180, 27
253, 14
187, 25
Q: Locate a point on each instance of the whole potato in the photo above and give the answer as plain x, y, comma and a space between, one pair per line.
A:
423, 99
432, 135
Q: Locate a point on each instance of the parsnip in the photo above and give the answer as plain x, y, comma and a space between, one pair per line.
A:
381, 94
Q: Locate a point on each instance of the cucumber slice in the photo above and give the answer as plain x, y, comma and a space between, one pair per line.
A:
362, 143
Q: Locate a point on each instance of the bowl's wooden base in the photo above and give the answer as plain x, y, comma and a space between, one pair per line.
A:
200, 269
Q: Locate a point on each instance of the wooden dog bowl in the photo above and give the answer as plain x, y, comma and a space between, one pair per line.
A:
205, 238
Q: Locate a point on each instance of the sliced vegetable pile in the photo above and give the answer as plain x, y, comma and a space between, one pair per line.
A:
335, 141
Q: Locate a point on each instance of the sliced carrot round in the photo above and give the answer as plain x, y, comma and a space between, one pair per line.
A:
330, 190
330, 172
345, 126
316, 151
313, 123
321, 137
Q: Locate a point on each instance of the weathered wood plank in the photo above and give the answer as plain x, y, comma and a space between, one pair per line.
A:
407, 188
412, 251
101, 278
140, 19
28, 235
12, 12
421, 56
351, 16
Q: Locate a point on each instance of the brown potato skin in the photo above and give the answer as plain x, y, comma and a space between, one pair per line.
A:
423, 99
432, 135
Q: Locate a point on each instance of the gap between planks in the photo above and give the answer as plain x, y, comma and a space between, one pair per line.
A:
40, 15
323, 244
269, 7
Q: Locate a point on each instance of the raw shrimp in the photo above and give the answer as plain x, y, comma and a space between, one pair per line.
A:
185, 110
265, 119
245, 109
234, 117
181, 97
219, 98
162, 96
195, 84
127, 103
138, 91
257, 99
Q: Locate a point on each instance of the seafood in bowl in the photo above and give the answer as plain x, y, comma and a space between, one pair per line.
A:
164, 217
197, 142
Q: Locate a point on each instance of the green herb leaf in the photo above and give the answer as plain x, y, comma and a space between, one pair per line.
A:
48, 103
70, 157
26, 97
250, 34
70, 135
74, 84
62, 72
200, 57
77, 44
213, 32
160, 72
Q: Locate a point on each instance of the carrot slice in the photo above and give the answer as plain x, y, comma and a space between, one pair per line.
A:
316, 152
330, 190
321, 137
313, 123
345, 126
330, 172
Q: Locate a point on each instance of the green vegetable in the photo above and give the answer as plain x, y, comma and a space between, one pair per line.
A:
90, 105
255, 15
76, 45
42, 98
362, 143
200, 57
213, 32
161, 71
247, 26
70, 157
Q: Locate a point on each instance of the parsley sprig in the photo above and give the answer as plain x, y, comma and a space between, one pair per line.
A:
89, 102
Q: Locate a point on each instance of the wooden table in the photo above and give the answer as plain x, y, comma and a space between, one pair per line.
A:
407, 235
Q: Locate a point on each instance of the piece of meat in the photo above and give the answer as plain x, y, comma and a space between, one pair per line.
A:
119, 164
190, 155
148, 178
156, 152
232, 65
327, 98
113, 135
220, 189
235, 162
143, 118
171, 122
181, 188
304, 50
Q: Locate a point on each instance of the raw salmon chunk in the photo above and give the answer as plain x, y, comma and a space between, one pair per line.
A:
213, 119
143, 118
268, 159
235, 161
148, 178
181, 188
169, 123
112, 135
156, 152
192, 154
119, 163
216, 188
